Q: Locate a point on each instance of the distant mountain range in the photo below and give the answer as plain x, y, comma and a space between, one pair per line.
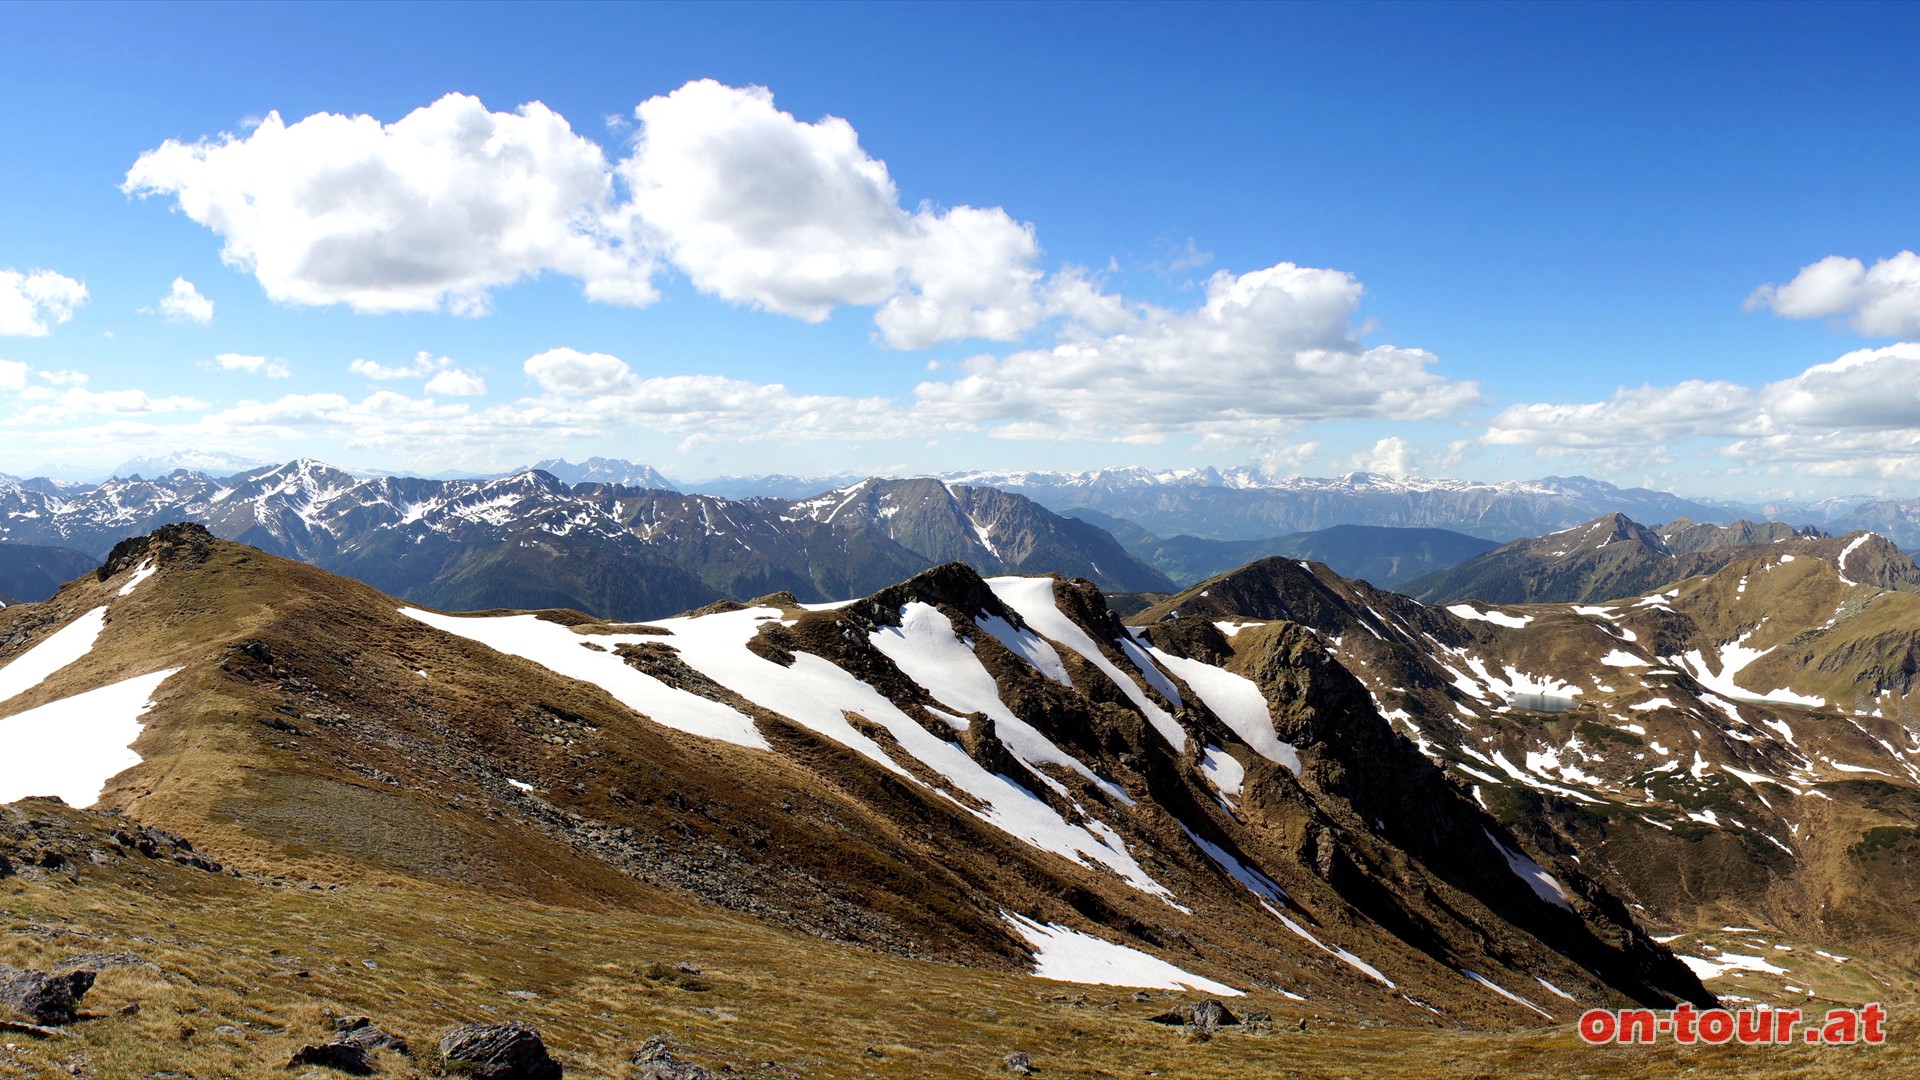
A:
618, 538
530, 540
1247, 504
1242, 505
1236, 504
601, 470
211, 462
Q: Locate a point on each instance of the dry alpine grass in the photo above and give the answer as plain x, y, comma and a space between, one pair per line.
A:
244, 971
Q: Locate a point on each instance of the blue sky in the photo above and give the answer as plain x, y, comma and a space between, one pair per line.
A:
1494, 241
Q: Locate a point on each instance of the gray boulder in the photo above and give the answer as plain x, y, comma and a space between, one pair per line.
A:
48, 999
510, 1051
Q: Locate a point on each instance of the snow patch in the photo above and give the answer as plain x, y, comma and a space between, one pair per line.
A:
1033, 598
140, 573
55, 651
1553, 988
1066, 955
1501, 618
927, 650
557, 648
1226, 774
1713, 969
1355, 962
73, 746
1505, 993
1544, 885
1239, 704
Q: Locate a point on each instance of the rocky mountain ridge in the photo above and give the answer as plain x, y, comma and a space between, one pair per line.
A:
1736, 753
1614, 557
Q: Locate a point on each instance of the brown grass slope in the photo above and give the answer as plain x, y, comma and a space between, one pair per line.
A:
230, 975
846, 922
317, 735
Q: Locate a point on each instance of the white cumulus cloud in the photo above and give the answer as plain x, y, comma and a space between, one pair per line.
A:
183, 303
430, 212
1391, 456
456, 383
1882, 300
271, 367
1266, 350
76, 402
1633, 417
760, 208
572, 372
441, 376
32, 304
596, 392
441, 207
424, 365
1858, 415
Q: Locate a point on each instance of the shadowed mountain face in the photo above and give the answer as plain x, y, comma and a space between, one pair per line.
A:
1381, 554
31, 572
1737, 753
1614, 557
990, 771
624, 552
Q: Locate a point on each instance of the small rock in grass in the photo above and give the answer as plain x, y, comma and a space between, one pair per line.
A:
337, 1056
655, 1061
366, 1036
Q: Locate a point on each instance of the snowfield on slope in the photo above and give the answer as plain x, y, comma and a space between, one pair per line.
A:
818, 695
925, 647
1067, 955
563, 652
55, 651
1499, 618
1544, 885
73, 746
1237, 701
1033, 598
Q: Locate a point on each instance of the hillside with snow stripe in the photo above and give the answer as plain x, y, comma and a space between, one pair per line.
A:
1163, 807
